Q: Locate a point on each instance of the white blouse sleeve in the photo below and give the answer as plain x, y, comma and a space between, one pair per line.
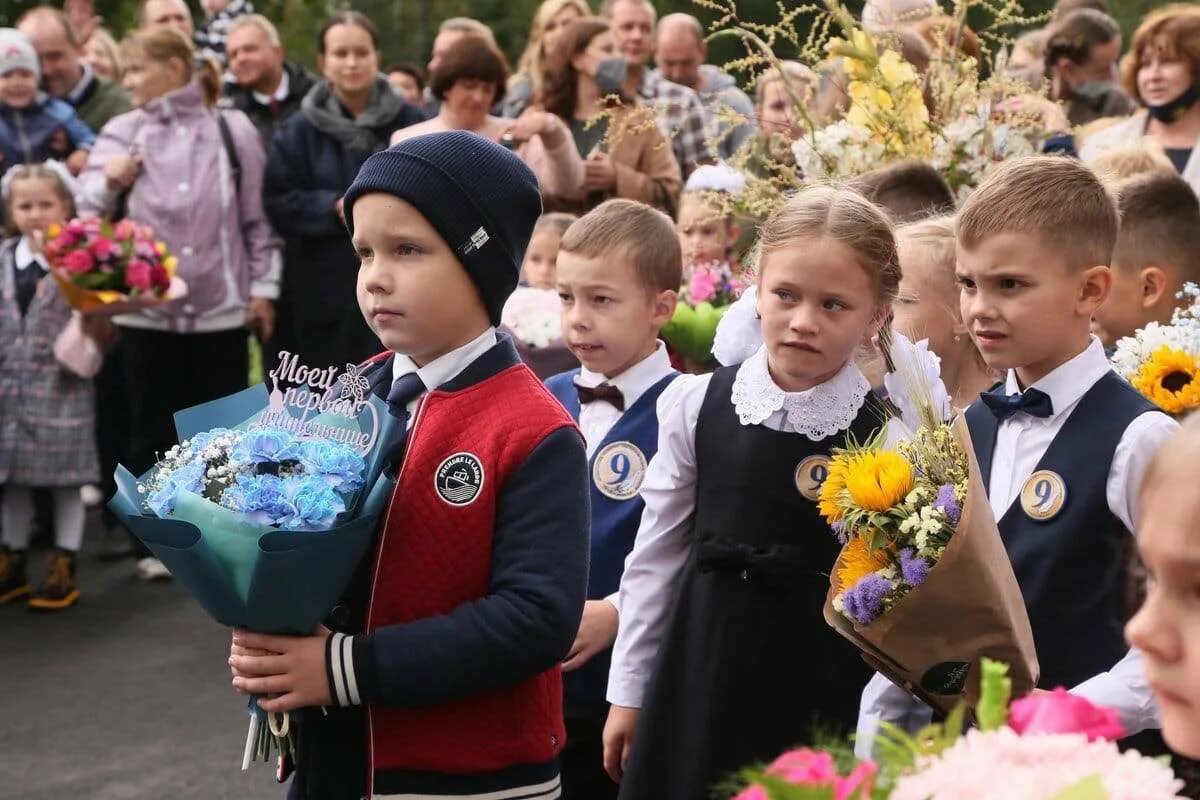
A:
663, 544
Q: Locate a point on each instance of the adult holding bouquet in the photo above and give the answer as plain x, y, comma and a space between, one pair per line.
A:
1162, 72
625, 154
313, 158
195, 178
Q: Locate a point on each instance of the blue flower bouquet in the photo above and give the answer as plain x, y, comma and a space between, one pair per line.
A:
265, 508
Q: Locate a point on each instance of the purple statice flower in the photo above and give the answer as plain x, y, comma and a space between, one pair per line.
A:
863, 601
948, 503
913, 567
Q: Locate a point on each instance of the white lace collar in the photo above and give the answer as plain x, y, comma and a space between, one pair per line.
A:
817, 413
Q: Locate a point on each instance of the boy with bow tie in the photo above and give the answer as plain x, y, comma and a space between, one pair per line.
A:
618, 275
1063, 443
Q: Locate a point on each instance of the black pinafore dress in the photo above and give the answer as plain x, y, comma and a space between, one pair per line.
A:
748, 667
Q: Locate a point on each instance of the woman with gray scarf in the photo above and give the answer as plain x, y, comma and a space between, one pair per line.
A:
347, 116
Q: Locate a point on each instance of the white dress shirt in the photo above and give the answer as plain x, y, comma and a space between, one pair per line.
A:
598, 418
24, 255
443, 368
281, 93
665, 536
1021, 442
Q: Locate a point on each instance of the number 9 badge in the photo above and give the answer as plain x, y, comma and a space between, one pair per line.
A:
1043, 495
810, 474
618, 470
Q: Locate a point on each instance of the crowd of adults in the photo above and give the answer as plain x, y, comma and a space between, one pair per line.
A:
238, 157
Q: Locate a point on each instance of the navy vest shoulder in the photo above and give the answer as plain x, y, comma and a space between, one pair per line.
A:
618, 466
1068, 550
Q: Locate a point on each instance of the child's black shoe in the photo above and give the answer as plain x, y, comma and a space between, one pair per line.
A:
13, 583
58, 590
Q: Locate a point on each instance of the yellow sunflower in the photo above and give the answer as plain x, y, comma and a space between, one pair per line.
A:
878, 479
829, 503
858, 561
1170, 379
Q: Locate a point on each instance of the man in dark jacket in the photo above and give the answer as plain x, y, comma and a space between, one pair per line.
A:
65, 74
265, 87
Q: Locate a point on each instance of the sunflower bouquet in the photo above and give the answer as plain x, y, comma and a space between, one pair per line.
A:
923, 585
1163, 361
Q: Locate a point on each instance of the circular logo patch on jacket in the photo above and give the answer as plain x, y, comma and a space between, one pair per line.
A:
618, 470
1043, 495
459, 478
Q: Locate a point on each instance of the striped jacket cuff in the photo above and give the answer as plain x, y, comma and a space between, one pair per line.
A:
339, 668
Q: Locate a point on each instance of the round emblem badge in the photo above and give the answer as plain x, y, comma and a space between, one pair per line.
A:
1043, 495
618, 470
810, 475
459, 478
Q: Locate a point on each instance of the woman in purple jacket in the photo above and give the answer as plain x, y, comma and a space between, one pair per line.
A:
168, 164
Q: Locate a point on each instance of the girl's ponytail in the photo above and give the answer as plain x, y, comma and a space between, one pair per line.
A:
209, 79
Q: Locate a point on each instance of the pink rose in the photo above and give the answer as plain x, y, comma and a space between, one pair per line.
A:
138, 275
159, 278
124, 230
78, 261
805, 767
1062, 712
753, 792
702, 287
102, 248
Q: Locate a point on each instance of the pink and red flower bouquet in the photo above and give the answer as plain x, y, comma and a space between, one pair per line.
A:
106, 268
1045, 746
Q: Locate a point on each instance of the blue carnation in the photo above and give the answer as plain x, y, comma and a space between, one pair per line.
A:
261, 497
266, 446
188, 478
341, 467
315, 505
863, 601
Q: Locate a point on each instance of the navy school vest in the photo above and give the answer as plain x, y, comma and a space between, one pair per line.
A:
1068, 550
617, 468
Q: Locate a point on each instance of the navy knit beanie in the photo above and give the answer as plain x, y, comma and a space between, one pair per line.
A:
479, 196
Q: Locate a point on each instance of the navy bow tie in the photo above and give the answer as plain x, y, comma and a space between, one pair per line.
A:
404, 390
605, 392
1033, 402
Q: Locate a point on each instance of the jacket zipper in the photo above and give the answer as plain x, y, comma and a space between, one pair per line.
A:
387, 517
22, 134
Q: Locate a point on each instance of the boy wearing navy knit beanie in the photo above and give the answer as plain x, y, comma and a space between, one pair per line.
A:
440, 670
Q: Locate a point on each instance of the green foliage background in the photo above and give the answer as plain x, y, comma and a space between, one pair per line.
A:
407, 26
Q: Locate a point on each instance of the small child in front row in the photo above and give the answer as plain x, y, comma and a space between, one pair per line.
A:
618, 276
1157, 252
1063, 443
723, 657
708, 230
46, 412
443, 677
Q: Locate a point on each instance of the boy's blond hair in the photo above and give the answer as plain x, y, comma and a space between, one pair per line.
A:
1160, 226
1132, 161
1053, 198
643, 236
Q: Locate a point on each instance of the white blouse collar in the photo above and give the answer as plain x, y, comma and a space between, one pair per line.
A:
819, 412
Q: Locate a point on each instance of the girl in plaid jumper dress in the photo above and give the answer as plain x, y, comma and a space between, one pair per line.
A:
46, 412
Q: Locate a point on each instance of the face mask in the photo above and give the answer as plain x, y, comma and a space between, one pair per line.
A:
610, 74
1091, 91
1174, 109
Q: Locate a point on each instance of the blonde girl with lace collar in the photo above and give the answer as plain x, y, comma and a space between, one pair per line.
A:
827, 272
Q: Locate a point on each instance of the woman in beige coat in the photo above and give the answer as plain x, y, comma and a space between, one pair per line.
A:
624, 152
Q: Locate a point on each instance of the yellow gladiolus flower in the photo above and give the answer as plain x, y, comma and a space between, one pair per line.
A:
879, 479
859, 561
53, 230
895, 70
1170, 379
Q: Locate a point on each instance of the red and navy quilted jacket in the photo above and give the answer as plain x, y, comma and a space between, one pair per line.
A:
473, 597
